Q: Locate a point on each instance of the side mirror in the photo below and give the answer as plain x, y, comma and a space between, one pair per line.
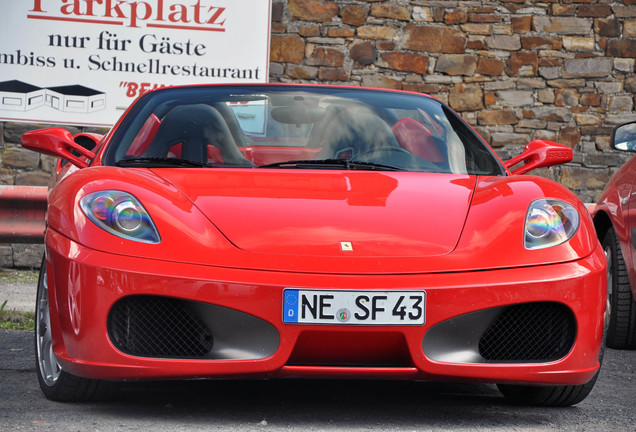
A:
540, 154
57, 142
624, 137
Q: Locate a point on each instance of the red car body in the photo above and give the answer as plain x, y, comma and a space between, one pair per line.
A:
615, 221
235, 242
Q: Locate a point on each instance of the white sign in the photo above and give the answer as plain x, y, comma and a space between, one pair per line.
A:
84, 61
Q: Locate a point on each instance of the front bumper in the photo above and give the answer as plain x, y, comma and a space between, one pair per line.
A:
244, 335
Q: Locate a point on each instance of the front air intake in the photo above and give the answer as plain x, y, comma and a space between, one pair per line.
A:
532, 332
154, 326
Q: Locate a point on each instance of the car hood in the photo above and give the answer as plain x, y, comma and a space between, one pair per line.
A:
331, 213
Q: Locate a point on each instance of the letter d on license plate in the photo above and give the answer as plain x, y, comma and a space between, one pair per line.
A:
354, 307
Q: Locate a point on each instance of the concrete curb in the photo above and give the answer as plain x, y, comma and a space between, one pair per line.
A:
19, 296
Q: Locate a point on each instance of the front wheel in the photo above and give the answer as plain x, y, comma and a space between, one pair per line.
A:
57, 384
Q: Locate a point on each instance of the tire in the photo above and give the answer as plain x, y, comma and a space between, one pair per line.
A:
548, 396
57, 384
551, 396
621, 329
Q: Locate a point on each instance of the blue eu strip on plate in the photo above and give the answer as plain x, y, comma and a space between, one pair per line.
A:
290, 307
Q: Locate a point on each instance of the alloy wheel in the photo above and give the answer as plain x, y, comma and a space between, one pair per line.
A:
47, 362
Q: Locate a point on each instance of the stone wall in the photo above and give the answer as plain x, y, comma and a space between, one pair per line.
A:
516, 70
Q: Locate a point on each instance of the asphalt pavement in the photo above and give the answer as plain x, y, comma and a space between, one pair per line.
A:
306, 405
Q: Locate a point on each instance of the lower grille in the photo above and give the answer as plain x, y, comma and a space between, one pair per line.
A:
529, 332
153, 326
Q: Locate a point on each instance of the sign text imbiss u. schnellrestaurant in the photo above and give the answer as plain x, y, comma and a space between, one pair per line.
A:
84, 61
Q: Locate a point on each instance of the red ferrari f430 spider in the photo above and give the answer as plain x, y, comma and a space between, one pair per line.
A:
272, 230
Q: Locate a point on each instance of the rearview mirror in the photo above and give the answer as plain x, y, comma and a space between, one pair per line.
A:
57, 142
540, 154
624, 137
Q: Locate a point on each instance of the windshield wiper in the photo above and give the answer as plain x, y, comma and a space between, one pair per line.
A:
333, 164
154, 162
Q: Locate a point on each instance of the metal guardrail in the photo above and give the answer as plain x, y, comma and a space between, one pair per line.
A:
22, 211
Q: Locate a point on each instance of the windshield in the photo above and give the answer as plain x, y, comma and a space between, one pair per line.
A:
299, 127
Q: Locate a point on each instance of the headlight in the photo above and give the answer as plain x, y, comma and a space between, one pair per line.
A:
549, 222
120, 214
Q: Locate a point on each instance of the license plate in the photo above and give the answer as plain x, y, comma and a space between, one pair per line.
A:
353, 307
